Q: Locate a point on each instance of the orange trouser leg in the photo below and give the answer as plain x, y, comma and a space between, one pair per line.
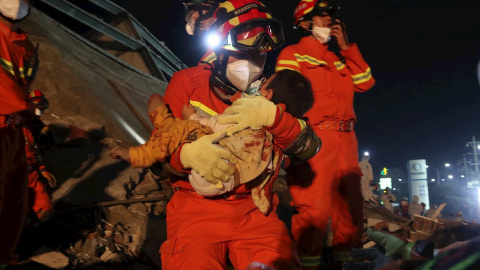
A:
332, 195
347, 219
210, 256
40, 199
200, 232
13, 189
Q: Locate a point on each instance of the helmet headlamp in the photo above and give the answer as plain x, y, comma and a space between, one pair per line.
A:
213, 40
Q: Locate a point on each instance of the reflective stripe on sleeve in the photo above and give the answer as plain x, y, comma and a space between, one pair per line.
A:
339, 65
302, 123
311, 261
309, 59
362, 77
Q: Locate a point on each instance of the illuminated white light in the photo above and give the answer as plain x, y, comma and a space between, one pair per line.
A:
394, 189
130, 130
447, 165
213, 40
433, 180
450, 176
462, 176
478, 146
366, 153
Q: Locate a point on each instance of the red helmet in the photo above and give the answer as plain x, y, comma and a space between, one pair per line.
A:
245, 25
306, 9
39, 100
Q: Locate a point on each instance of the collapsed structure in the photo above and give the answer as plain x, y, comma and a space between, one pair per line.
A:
109, 214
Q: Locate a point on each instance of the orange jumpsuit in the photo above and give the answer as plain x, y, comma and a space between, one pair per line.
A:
335, 192
200, 230
39, 199
13, 162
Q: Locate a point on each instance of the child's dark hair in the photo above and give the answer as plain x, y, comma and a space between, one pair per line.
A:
292, 89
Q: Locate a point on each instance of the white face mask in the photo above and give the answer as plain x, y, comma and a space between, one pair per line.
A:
242, 73
321, 33
14, 9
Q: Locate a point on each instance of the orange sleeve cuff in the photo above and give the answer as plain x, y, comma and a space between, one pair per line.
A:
285, 128
175, 161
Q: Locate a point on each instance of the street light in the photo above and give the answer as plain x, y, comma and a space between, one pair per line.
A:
438, 173
447, 165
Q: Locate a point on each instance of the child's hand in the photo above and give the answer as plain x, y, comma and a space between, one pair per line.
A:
120, 153
154, 102
187, 111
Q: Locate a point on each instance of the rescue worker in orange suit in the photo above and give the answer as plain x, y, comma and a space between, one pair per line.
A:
199, 229
252, 148
40, 203
335, 191
198, 15
15, 108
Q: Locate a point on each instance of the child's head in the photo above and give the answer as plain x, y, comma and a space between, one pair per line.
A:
290, 88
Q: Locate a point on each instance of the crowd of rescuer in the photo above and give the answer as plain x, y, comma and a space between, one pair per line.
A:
335, 191
17, 69
202, 230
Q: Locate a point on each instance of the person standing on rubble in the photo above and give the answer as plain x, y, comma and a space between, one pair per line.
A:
335, 192
415, 208
387, 199
200, 229
367, 179
17, 65
404, 208
432, 210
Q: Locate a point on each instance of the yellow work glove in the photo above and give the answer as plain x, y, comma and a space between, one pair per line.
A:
254, 113
51, 181
208, 160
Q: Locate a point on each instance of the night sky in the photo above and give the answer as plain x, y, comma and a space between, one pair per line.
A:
423, 55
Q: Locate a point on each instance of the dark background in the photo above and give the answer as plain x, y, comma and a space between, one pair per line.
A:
423, 55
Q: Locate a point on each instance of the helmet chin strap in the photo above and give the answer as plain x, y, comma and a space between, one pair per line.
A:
220, 85
221, 90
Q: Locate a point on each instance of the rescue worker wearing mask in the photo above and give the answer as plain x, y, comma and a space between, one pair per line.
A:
201, 230
15, 109
335, 192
